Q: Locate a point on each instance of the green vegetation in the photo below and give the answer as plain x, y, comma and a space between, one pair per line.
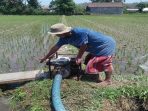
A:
24, 37
62, 7
130, 32
82, 95
141, 5
33, 7
33, 96
19, 7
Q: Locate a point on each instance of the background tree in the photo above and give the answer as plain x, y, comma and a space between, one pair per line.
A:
141, 6
79, 10
11, 6
32, 7
52, 6
33, 3
21, 7
2, 6
66, 7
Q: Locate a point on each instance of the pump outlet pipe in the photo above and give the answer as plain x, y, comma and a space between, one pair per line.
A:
56, 97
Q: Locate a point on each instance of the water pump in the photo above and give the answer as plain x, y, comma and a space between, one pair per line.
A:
65, 65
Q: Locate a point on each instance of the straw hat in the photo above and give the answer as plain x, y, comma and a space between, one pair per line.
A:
59, 28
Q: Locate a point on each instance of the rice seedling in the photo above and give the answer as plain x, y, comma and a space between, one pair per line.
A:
129, 32
24, 37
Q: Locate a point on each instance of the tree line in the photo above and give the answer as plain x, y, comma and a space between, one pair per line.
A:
33, 7
19, 7
141, 6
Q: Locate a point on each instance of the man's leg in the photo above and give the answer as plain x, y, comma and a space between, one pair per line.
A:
108, 77
99, 79
108, 69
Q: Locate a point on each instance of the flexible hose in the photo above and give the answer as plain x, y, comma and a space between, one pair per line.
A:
56, 98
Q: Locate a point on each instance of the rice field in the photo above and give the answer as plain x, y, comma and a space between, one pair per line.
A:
131, 34
24, 38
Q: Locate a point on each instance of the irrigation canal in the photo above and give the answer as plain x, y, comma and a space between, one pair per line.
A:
10, 81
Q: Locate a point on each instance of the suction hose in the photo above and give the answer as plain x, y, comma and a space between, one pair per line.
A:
56, 98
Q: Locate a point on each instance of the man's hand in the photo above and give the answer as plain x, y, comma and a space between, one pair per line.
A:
80, 53
78, 61
50, 54
43, 60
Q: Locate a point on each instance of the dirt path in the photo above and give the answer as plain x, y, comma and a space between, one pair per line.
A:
4, 104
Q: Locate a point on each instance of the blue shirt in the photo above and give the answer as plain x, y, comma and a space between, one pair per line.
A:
98, 43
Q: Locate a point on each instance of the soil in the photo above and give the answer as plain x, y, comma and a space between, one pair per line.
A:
125, 104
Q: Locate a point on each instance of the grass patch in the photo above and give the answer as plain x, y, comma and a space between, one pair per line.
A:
34, 96
83, 95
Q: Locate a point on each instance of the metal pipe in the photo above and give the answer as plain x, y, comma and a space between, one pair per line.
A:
56, 98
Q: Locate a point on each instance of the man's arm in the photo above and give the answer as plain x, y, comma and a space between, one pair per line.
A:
50, 53
80, 53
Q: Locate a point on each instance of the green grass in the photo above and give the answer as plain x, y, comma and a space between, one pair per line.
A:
25, 36
79, 95
33, 96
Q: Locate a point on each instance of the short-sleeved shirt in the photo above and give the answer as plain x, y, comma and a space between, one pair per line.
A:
98, 44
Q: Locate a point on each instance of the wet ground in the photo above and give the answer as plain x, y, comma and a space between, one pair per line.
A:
4, 104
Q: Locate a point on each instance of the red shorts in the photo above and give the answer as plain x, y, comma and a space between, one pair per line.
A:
99, 64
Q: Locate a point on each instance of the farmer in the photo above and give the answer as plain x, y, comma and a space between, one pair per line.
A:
101, 49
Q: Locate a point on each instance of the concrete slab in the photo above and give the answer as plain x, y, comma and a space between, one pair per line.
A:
19, 76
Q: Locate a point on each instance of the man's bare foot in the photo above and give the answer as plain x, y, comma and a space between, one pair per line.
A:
76, 78
99, 81
105, 83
